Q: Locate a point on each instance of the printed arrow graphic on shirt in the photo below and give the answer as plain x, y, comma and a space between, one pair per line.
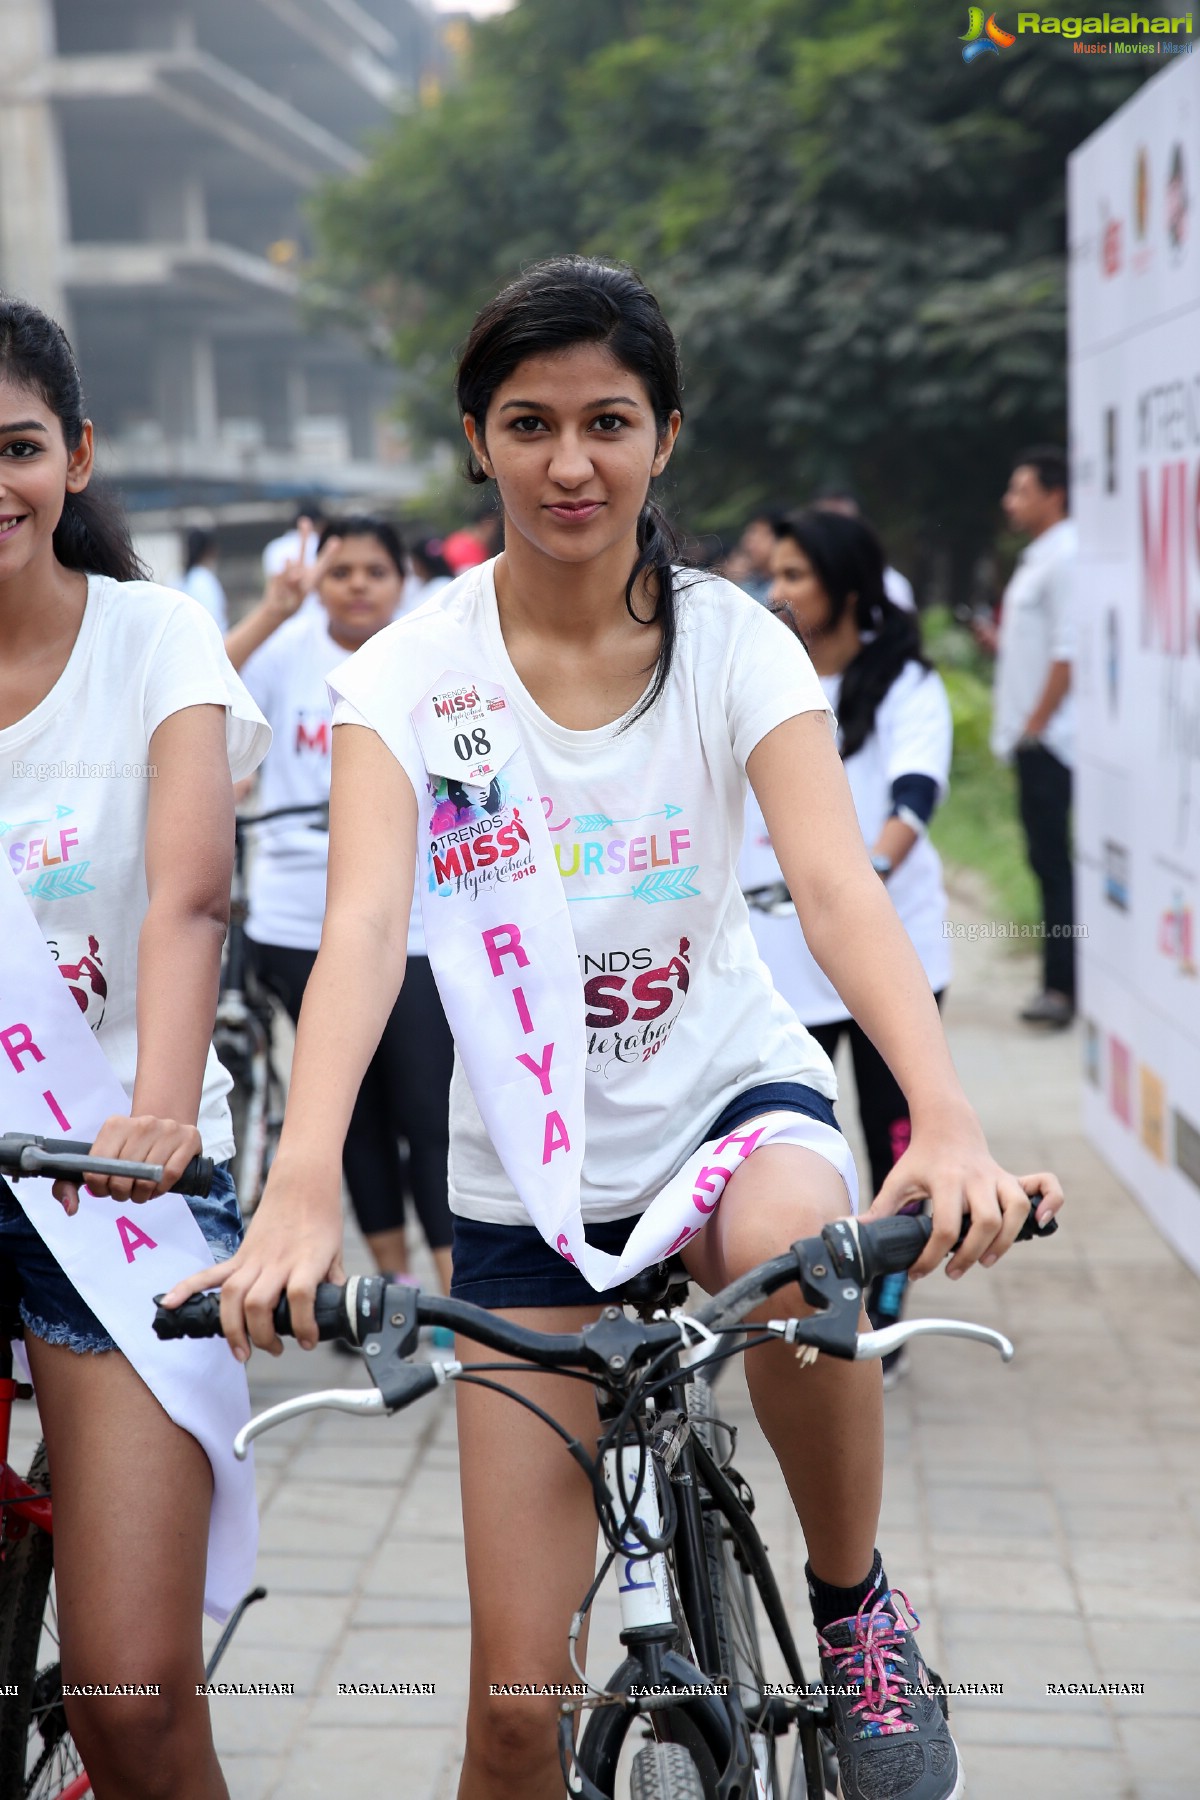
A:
667, 884
25, 824
62, 884
588, 822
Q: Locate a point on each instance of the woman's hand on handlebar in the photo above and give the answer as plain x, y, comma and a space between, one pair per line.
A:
949, 1162
142, 1139
293, 1242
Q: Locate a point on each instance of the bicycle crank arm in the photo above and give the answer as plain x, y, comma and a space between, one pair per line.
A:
351, 1400
890, 1337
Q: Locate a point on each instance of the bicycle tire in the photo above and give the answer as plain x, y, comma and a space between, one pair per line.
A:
38, 1758
664, 1772
735, 1612
736, 1621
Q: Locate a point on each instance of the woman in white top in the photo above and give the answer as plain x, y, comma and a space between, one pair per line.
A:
285, 650
895, 735
430, 572
200, 578
121, 723
640, 699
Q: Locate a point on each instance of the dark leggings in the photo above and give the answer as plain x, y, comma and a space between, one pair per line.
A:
405, 1093
1044, 790
886, 1122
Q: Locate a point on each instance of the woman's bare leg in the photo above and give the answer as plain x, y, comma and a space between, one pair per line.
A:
530, 1524
824, 1422
132, 1493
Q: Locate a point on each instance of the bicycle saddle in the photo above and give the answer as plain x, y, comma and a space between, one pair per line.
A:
663, 1284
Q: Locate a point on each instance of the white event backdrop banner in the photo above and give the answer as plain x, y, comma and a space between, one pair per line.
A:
1134, 220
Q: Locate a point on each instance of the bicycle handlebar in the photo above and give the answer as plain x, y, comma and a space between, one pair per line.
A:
850, 1250
63, 1159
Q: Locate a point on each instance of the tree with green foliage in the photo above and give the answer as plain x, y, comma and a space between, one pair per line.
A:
859, 240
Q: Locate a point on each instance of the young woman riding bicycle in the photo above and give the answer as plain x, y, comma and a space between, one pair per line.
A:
643, 696
126, 867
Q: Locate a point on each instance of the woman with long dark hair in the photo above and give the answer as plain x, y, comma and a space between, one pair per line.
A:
895, 735
620, 704
121, 723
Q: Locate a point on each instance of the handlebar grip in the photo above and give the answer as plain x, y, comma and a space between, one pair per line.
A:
200, 1316
888, 1246
329, 1309
196, 1178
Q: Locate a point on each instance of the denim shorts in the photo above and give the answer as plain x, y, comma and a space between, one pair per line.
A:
503, 1266
52, 1306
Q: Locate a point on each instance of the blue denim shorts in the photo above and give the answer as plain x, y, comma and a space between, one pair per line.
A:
52, 1306
503, 1266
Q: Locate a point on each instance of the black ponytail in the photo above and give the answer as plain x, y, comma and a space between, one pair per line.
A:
572, 300
92, 535
868, 679
847, 560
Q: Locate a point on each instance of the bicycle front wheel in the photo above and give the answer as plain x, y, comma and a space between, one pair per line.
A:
737, 1634
664, 1772
38, 1758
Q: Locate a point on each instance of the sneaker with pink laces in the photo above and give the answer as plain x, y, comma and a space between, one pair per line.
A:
889, 1717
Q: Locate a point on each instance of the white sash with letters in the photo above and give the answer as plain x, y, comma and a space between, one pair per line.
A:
503, 952
56, 1082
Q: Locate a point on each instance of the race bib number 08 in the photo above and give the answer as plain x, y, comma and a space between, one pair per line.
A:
465, 730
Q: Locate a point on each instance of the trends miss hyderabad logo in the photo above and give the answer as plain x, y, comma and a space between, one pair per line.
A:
984, 37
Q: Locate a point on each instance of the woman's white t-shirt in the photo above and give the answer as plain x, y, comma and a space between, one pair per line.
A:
646, 824
286, 677
75, 796
913, 735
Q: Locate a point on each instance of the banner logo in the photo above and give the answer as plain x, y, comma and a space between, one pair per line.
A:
1154, 1114
1177, 203
1116, 875
984, 38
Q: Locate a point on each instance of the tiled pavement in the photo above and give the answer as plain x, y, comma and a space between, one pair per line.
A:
1043, 1517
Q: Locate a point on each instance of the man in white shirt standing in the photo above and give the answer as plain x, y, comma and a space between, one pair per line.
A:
1032, 722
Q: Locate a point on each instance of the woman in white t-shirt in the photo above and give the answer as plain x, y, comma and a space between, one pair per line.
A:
895, 735
642, 698
121, 723
430, 572
284, 651
200, 578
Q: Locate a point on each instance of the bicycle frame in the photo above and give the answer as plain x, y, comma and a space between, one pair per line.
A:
708, 1711
18, 1501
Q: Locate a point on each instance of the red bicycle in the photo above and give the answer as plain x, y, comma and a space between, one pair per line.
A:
38, 1756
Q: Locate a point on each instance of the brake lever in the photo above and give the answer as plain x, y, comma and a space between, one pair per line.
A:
874, 1344
404, 1385
351, 1400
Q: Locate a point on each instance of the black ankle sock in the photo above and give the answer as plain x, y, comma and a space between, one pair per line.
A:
831, 1603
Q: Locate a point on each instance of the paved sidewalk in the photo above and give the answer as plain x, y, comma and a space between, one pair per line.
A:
1043, 1517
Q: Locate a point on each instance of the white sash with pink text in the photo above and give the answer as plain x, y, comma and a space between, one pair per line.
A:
56, 1082
503, 952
